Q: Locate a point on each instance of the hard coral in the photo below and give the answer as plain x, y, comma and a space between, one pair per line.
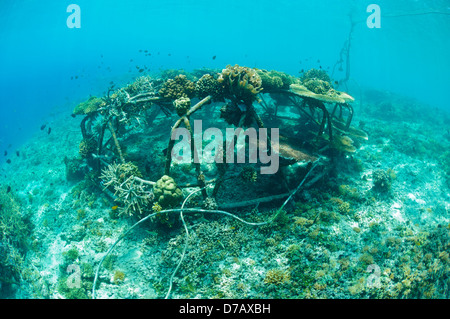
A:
240, 84
182, 105
316, 74
381, 180
178, 87
167, 193
87, 147
209, 85
275, 80
89, 106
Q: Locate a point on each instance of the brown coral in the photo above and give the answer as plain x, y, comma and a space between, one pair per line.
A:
209, 85
182, 105
240, 84
178, 87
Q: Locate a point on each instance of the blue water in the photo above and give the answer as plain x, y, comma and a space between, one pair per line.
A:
39, 54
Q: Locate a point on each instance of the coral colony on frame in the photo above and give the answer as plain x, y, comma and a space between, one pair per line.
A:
233, 183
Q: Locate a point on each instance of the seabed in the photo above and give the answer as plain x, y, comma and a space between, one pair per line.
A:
371, 219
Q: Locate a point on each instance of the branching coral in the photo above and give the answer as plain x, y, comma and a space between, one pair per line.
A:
131, 190
240, 84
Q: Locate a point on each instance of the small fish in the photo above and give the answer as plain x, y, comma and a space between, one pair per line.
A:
140, 50
8, 161
114, 207
6, 153
8, 189
164, 151
17, 153
214, 57
49, 130
71, 77
170, 54
320, 67
73, 115
336, 82
43, 126
318, 61
145, 51
76, 77
141, 70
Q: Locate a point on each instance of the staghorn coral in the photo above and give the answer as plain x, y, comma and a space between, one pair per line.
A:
167, 193
178, 87
209, 85
140, 85
240, 84
131, 191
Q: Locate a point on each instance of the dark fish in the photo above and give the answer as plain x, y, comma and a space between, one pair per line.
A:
336, 82
214, 57
71, 77
302, 70
320, 67
17, 153
76, 77
6, 153
145, 51
318, 61
49, 130
43, 126
169, 54
164, 151
8, 189
141, 70
101, 55
140, 50
73, 115
8, 161
131, 60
